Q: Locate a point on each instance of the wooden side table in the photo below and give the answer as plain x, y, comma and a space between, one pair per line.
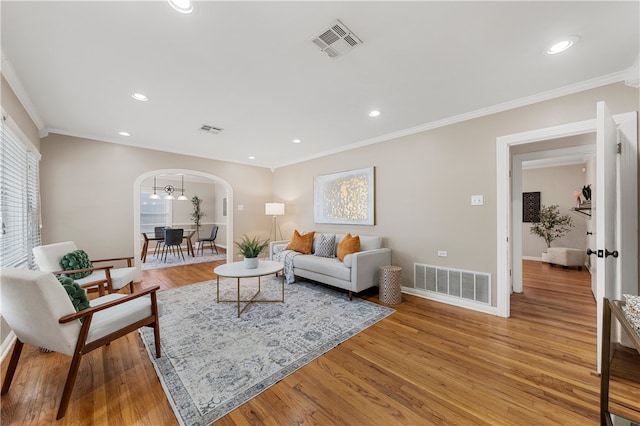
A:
390, 284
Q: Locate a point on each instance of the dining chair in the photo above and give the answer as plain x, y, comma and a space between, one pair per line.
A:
173, 241
39, 311
159, 231
108, 277
211, 240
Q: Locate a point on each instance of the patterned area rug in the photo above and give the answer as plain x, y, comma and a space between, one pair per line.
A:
212, 361
173, 260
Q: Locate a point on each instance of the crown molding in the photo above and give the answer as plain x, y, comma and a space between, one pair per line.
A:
16, 85
633, 74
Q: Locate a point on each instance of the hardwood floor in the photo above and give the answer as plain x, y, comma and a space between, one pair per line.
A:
428, 363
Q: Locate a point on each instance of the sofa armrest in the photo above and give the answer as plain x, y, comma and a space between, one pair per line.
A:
365, 268
277, 246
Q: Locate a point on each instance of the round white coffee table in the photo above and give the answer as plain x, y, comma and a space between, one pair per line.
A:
237, 270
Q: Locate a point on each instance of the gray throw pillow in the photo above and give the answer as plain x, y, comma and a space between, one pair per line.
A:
326, 245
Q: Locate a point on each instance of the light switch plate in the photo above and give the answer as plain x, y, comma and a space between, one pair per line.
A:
477, 200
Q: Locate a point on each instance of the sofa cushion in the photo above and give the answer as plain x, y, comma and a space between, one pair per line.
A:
325, 245
348, 245
301, 243
370, 242
323, 265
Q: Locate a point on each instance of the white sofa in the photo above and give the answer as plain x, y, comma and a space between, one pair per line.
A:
358, 272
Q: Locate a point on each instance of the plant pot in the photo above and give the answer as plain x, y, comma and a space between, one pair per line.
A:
545, 256
251, 262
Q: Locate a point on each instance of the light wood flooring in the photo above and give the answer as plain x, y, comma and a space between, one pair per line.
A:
428, 363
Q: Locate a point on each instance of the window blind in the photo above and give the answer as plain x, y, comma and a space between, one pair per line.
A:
19, 201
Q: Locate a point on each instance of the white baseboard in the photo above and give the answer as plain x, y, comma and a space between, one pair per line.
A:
536, 259
7, 344
454, 301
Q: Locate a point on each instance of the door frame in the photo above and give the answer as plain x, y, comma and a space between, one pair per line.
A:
627, 123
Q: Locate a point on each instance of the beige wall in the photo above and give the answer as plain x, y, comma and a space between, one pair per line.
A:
424, 182
87, 191
556, 186
423, 186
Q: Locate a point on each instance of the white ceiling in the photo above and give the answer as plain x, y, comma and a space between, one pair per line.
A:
250, 68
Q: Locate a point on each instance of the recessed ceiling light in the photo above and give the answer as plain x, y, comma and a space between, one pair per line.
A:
374, 113
182, 6
139, 97
296, 141
124, 133
562, 45
251, 157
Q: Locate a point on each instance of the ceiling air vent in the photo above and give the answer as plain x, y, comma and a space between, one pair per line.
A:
337, 40
211, 129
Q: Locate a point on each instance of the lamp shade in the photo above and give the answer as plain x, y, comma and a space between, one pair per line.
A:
274, 209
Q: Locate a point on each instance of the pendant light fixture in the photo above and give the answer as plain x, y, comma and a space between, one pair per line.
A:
154, 196
169, 190
182, 197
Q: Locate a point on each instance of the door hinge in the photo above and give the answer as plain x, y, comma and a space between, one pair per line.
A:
619, 148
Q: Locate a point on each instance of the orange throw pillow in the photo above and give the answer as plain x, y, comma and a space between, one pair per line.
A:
301, 243
348, 245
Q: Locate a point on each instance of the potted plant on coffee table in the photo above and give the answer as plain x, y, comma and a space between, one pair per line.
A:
551, 225
250, 248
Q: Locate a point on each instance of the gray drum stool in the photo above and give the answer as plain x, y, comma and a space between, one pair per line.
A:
390, 284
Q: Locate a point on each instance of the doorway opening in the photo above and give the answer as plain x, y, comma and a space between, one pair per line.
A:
572, 167
220, 199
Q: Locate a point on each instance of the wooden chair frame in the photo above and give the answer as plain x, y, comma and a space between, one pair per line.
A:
104, 284
82, 347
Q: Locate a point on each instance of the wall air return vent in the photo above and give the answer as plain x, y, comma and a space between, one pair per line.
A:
211, 129
336, 40
453, 283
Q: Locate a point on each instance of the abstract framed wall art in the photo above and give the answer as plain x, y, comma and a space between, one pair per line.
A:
531, 207
345, 197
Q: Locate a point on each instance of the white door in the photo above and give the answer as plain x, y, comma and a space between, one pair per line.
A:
605, 212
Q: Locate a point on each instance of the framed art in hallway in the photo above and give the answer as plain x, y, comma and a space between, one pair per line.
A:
345, 197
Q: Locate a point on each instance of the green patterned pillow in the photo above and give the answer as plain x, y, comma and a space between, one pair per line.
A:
77, 259
77, 294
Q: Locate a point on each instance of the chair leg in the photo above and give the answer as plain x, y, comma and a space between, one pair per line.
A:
156, 324
68, 386
180, 252
13, 364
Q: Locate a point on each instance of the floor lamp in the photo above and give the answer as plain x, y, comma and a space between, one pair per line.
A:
275, 210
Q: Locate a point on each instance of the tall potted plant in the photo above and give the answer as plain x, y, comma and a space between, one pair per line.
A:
551, 225
197, 214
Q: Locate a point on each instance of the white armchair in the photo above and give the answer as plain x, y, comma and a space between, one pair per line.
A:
39, 311
48, 259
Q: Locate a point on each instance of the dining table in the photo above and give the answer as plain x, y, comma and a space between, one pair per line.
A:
152, 236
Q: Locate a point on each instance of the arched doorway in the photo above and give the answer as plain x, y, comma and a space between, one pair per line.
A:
137, 189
